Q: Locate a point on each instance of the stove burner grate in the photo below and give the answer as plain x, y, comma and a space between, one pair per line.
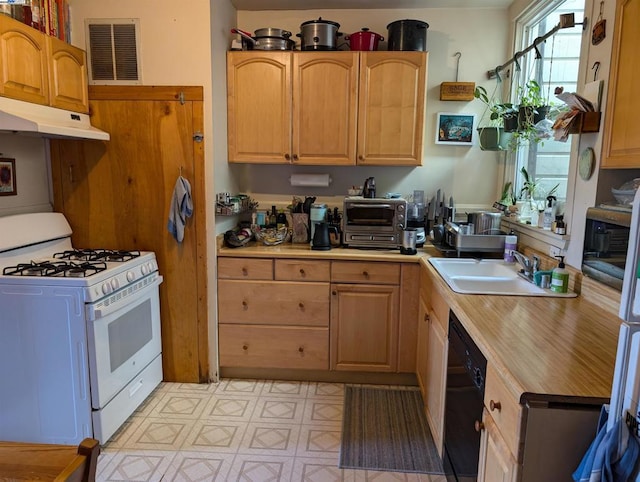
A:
55, 268
116, 256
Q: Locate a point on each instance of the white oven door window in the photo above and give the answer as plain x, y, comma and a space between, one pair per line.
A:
122, 343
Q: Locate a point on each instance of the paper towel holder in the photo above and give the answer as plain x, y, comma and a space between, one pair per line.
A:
315, 180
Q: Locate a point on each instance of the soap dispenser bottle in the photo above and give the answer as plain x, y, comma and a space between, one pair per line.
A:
560, 277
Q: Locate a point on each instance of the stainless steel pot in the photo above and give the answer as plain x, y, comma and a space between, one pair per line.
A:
264, 43
272, 32
319, 35
485, 222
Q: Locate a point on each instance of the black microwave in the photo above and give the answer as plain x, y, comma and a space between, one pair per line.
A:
605, 244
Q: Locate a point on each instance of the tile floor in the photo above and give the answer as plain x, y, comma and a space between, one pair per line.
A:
236, 430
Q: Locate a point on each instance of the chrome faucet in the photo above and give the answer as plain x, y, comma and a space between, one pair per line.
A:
529, 265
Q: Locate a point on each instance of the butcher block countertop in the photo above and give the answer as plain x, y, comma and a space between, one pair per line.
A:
546, 349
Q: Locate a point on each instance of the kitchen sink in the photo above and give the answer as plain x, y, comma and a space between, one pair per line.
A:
488, 277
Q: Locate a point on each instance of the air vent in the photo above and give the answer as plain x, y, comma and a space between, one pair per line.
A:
113, 51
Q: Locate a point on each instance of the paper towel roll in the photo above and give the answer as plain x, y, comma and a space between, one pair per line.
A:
320, 180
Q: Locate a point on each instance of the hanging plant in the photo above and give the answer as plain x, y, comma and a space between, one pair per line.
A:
495, 136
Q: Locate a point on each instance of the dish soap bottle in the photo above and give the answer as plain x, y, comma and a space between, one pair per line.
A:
560, 277
549, 213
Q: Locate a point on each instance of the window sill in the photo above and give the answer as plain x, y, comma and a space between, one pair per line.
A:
536, 238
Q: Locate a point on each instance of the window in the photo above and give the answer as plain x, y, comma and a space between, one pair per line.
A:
548, 161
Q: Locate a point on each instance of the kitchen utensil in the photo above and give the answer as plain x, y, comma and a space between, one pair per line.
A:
308, 201
409, 240
438, 234
485, 222
264, 42
319, 35
321, 240
364, 40
369, 188
407, 35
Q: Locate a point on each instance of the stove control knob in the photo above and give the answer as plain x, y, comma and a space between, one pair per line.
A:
151, 266
143, 269
115, 284
130, 276
106, 288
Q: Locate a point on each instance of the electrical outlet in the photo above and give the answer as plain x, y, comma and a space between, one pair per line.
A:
554, 251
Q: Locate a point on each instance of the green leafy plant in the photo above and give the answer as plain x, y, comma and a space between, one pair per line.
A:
531, 187
498, 110
530, 95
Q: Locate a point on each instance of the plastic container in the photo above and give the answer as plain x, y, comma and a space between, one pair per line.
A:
510, 245
560, 278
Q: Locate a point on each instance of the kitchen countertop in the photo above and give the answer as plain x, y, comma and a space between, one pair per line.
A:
546, 349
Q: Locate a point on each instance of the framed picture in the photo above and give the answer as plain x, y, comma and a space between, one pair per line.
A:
455, 129
8, 177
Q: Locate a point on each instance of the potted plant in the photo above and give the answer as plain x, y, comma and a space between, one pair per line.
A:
532, 108
502, 121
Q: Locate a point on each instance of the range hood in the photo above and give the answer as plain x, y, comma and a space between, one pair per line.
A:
39, 120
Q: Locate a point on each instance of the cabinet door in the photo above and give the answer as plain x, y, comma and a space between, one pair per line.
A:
68, 88
436, 366
364, 327
325, 89
259, 107
391, 108
422, 348
622, 131
23, 62
496, 463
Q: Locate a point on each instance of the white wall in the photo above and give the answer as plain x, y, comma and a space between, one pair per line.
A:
472, 176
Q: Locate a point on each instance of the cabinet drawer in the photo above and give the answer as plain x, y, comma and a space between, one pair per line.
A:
273, 303
274, 347
244, 268
300, 270
506, 412
355, 272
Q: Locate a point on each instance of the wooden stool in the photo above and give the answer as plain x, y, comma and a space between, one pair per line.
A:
47, 462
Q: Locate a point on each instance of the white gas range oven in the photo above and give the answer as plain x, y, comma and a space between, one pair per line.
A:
80, 345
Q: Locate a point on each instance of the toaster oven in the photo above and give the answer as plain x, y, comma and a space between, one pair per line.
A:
373, 222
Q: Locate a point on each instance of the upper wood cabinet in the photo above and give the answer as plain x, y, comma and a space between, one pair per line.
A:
326, 108
391, 108
68, 86
41, 69
23, 62
622, 131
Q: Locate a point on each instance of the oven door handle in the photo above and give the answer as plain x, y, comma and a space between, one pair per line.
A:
120, 299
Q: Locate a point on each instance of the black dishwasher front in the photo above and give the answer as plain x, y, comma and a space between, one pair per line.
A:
466, 372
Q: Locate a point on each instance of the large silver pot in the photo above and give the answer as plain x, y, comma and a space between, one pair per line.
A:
485, 222
264, 43
319, 35
272, 32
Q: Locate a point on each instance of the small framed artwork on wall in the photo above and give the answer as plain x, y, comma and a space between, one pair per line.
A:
8, 177
455, 129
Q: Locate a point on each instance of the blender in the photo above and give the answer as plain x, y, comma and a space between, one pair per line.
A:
416, 217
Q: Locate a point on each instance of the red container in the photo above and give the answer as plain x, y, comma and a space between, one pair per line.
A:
364, 40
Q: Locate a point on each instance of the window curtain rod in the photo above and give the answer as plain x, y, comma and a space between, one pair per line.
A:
567, 20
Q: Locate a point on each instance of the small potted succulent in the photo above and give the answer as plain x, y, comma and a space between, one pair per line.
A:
503, 118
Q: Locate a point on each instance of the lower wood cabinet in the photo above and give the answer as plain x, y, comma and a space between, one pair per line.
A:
496, 463
364, 327
317, 314
274, 346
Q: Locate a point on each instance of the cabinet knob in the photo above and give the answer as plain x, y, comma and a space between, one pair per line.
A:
361, 157
365, 274
245, 347
494, 406
334, 292
245, 305
301, 349
295, 157
287, 156
245, 272
426, 317
479, 426
301, 305
302, 273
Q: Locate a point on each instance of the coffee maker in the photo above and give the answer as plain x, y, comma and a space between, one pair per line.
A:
416, 217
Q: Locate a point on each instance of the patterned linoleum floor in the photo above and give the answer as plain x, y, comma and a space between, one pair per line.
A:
236, 430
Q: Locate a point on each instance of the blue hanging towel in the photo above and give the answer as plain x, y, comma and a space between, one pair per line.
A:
181, 208
612, 456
